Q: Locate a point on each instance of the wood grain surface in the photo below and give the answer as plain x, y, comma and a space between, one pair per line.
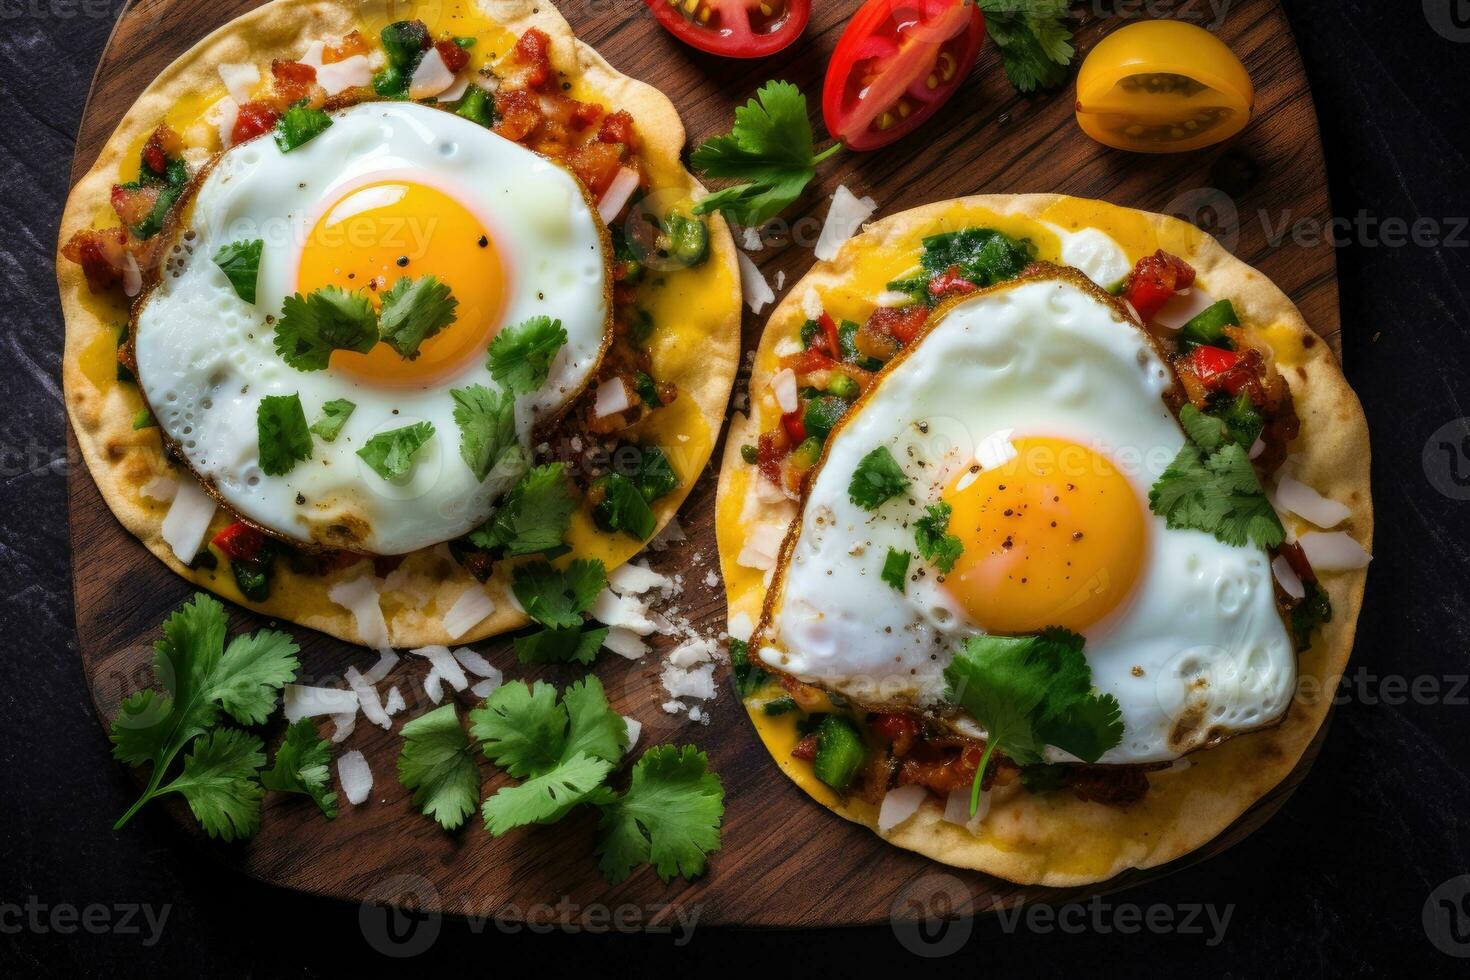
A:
786, 861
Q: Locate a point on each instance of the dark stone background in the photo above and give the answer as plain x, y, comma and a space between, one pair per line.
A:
1336, 883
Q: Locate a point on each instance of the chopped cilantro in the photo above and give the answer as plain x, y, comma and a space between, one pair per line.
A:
877, 479
487, 427
1242, 420
749, 678
391, 453
240, 262
655, 477
201, 676
1314, 609
896, 568
1034, 40
335, 414
670, 817
647, 390
931, 534
1030, 692
301, 766
533, 518
281, 432
413, 311
299, 125
558, 598
404, 43
984, 256
438, 764
1211, 486
623, 507
311, 327
521, 356
770, 146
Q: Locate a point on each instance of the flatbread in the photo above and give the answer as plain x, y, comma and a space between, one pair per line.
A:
1056, 839
698, 350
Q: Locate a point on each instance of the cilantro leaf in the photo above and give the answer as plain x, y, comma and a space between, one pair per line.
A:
877, 479
984, 256
1242, 419
770, 147
1311, 611
560, 646
749, 677
558, 598
220, 785
311, 327
1211, 486
622, 507
1030, 692
534, 516
335, 414
1034, 40
240, 262
487, 427
670, 816
300, 124
438, 765
896, 568
563, 751
301, 766
281, 433
521, 356
201, 676
413, 311
931, 534
390, 454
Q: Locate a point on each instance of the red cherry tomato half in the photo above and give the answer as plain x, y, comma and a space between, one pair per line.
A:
895, 65
734, 28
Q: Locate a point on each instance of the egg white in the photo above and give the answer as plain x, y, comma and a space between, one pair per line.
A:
1198, 651
206, 358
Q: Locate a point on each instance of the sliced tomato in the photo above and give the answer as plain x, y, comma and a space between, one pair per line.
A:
240, 542
1154, 280
734, 28
895, 65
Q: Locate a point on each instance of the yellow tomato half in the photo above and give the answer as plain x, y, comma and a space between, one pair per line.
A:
1162, 86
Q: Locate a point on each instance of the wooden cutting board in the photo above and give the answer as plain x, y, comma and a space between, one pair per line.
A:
786, 861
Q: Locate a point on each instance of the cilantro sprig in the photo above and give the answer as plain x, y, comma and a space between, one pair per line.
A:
877, 479
413, 311
1212, 486
670, 817
391, 454
240, 262
201, 678
770, 148
1034, 40
487, 427
281, 433
558, 598
311, 327
1030, 692
520, 356
301, 766
438, 764
931, 534
533, 518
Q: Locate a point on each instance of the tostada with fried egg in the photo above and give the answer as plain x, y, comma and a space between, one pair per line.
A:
363, 312
1045, 535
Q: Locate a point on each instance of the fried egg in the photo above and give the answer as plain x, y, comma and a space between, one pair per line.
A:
1036, 412
389, 190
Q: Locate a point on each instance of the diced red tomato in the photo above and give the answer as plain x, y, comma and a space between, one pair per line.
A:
519, 113
455, 57
101, 254
240, 542
899, 730
808, 361
533, 50
794, 425
254, 119
771, 449
901, 323
950, 283
1228, 371
163, 146
734, 28
942, 771
1297, 559
617, 127
829, 332
806, 749
1156, 278
293, 80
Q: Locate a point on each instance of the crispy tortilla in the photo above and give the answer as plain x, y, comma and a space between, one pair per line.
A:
697, 350
1056, 839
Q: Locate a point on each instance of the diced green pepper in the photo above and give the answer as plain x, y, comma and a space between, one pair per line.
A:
477, 107
779, 706
840, 752
404, 43
808, 453
253, 578
391, 83
750, 454
822, 414
843, 387
687, 239
1208, 328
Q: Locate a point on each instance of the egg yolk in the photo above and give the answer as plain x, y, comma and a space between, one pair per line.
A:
379, 233
1054, 537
